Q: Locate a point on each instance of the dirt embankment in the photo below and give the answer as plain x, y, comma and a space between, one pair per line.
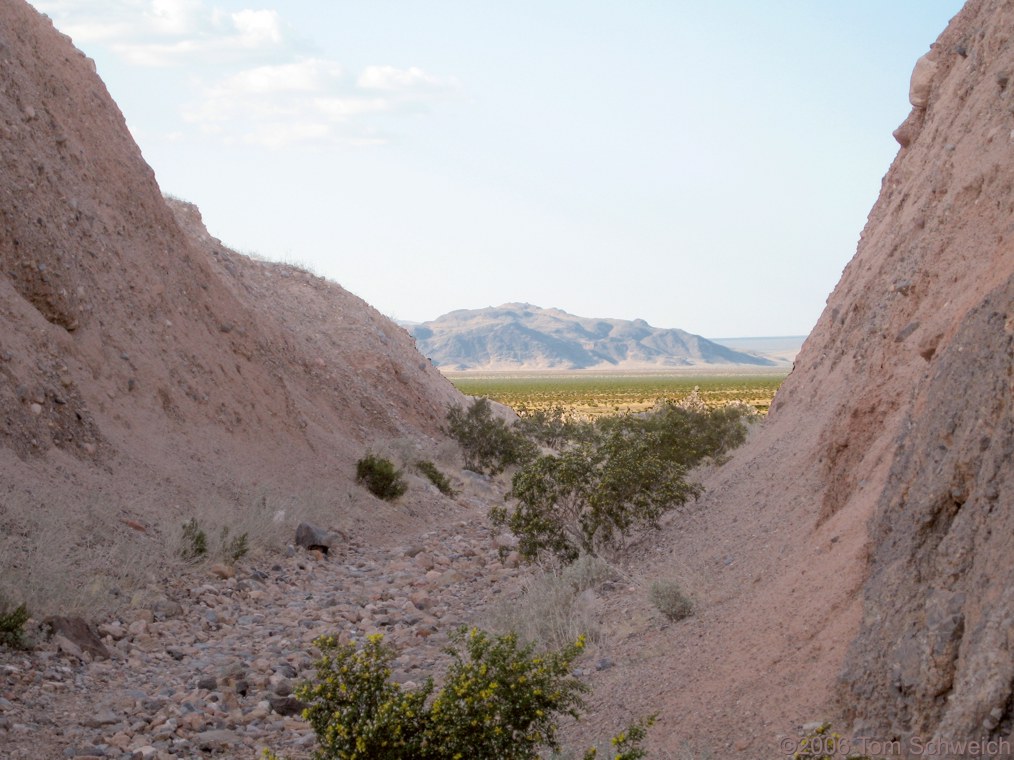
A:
148, 372
853, 561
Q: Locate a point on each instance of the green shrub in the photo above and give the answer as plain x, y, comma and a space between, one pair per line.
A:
489, 444
686, 435
613, 477
552, 427
380, 477
195, 541
233, 549
499, 700
437, 478
669, 599
592, 496
12, 625
627, 744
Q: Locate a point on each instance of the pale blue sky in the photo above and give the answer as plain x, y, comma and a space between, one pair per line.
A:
702, 165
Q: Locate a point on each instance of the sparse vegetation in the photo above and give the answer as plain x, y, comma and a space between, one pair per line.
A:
669, 599
552, 609
489, 444
626, 745
235, 548
380, 477
12, 624
590, 395
195, 541
437, 478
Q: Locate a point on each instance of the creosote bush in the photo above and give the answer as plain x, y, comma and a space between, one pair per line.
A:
613, 478
590, 497
552, 427
380, 477
669, 599
437, 478
12, 625
489, 444
499, 700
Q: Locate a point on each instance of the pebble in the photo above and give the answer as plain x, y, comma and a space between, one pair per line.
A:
210, 663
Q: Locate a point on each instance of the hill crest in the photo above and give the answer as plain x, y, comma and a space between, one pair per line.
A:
528, 337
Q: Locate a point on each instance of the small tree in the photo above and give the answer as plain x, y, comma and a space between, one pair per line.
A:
489, 444
553, 427
592, 496
686, 435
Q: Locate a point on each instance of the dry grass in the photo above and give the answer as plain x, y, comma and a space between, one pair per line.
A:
557, 606
90, 557
78, 559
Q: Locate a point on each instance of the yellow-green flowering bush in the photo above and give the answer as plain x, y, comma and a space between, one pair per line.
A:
500, 699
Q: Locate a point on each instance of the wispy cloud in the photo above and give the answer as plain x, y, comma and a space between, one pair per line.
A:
309, 100
161, 33
253, 79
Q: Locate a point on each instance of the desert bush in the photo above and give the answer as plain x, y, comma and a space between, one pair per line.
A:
194, 545
12, 624
380, 477
552, 427
615, 477
437, 478
500, 699
669, 599
233, 549
686, 434
489, 444
592, 496
626, 745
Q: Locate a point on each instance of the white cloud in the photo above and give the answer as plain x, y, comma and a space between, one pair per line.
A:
309, 100
173, 32
393, 79
251, 78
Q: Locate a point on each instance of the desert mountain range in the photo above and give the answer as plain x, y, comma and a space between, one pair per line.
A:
851, 562
522, 336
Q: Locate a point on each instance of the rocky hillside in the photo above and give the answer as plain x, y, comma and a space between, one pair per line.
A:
853, 561
149, 374
522, 336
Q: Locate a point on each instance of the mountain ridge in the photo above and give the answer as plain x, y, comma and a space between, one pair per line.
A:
519, 335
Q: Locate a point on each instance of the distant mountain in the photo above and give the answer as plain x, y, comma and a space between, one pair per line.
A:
782, 348
522, 336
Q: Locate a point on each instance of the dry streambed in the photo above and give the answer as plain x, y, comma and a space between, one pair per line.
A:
207, 664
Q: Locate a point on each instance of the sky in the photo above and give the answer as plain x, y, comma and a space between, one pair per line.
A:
701, 165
